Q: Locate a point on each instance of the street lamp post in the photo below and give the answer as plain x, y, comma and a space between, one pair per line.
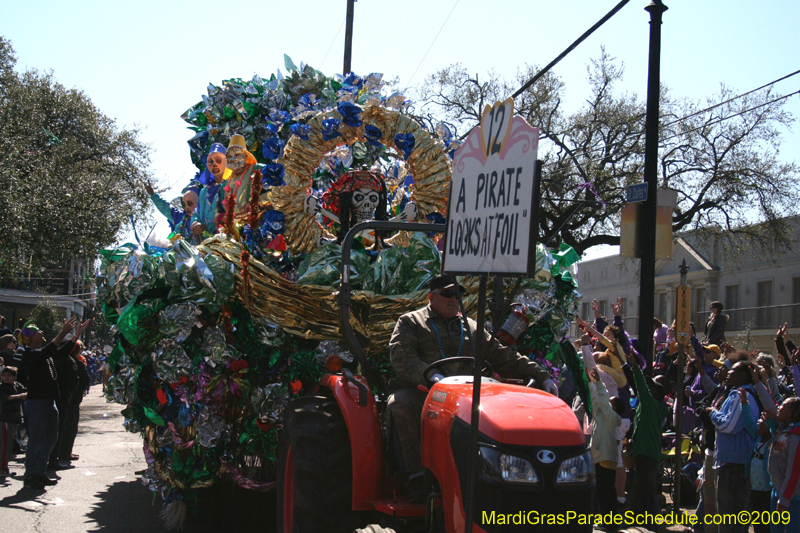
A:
646, 230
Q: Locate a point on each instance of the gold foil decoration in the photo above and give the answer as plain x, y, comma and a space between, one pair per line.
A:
312, 311
428, 163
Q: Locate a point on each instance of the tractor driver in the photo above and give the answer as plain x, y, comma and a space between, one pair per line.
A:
428, 335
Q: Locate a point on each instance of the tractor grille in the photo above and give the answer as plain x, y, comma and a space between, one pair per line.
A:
506, 499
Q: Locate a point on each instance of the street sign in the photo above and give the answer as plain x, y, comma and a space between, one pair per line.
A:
491, 214
637, 193
683, 315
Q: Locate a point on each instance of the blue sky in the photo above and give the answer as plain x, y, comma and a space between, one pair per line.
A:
144, 63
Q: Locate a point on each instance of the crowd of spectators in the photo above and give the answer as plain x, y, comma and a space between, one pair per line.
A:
43, 385
740, 418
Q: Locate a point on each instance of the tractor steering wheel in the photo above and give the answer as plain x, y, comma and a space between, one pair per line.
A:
427, 374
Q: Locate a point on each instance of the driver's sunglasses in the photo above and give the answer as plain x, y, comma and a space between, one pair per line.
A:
447, 293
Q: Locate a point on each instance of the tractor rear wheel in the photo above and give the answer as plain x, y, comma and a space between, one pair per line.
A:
315, 475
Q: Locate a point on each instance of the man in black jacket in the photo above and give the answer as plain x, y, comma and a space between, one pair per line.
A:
76, 382
40, 360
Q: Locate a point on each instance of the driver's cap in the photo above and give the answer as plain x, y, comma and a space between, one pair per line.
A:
443, 281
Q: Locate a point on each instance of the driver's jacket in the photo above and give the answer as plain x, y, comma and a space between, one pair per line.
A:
415, 344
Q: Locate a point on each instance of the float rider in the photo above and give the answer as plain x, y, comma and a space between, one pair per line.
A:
204, 221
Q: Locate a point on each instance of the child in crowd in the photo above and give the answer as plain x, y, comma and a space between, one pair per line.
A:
12, 394
604, 441
784, 465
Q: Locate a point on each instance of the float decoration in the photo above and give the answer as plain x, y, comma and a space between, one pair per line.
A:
215, 339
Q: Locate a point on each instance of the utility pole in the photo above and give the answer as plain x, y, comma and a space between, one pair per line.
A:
348, 38
683, 304
646, 230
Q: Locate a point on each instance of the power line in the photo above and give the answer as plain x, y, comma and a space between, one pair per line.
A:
713, 122
732, 99
718, 121
434, 40
570, 48
42, 296
332, 42
641, 132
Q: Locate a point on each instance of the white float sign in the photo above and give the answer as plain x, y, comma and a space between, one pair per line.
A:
491, 210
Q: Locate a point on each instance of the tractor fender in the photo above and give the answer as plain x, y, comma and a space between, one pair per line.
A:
363, 425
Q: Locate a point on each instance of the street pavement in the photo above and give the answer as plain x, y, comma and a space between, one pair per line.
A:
103, 493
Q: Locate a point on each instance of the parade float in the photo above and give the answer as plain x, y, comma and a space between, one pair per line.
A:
216, 336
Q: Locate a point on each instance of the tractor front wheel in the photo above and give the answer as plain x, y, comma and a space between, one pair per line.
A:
315, 474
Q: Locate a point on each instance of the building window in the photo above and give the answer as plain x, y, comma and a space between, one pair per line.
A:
586, 277
731, 304
701, 311
602, 306
585, 310
623, 307
604, 274
662, 307
764, 304
795, 302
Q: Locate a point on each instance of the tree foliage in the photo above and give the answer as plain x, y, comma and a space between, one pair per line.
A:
48, 318
69, 177
723, 161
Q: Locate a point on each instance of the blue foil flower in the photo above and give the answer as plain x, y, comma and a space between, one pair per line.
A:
280, 116
307, 100
436, 218
273, 148
301, 130
272, 175
353, 80
373, 134
350, 114
274, 222
330, 128
253, 239
405, 142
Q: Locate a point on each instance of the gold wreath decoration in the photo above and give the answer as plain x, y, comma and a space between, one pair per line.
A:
428, 163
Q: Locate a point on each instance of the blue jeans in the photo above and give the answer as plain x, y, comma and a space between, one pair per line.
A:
42, 435
794, 510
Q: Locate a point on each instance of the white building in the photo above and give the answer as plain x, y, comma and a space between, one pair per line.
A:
760, 291
65, 288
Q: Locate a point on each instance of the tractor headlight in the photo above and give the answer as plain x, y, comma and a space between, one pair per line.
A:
576, 469
498, 466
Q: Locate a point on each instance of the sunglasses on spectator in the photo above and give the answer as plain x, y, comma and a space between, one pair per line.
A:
447, 293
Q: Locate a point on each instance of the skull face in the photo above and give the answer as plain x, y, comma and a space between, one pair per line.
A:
235, 155
365, 200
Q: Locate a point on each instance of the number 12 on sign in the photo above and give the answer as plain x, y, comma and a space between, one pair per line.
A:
495, 126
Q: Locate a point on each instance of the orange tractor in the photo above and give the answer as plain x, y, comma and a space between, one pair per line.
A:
335, 465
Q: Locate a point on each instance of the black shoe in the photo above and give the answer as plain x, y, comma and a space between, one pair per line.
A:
62, 466
33, 483
44, 480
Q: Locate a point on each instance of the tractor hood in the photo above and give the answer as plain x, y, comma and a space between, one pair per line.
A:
513, 414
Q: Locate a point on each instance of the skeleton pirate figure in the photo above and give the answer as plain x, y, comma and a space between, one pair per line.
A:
357, 196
